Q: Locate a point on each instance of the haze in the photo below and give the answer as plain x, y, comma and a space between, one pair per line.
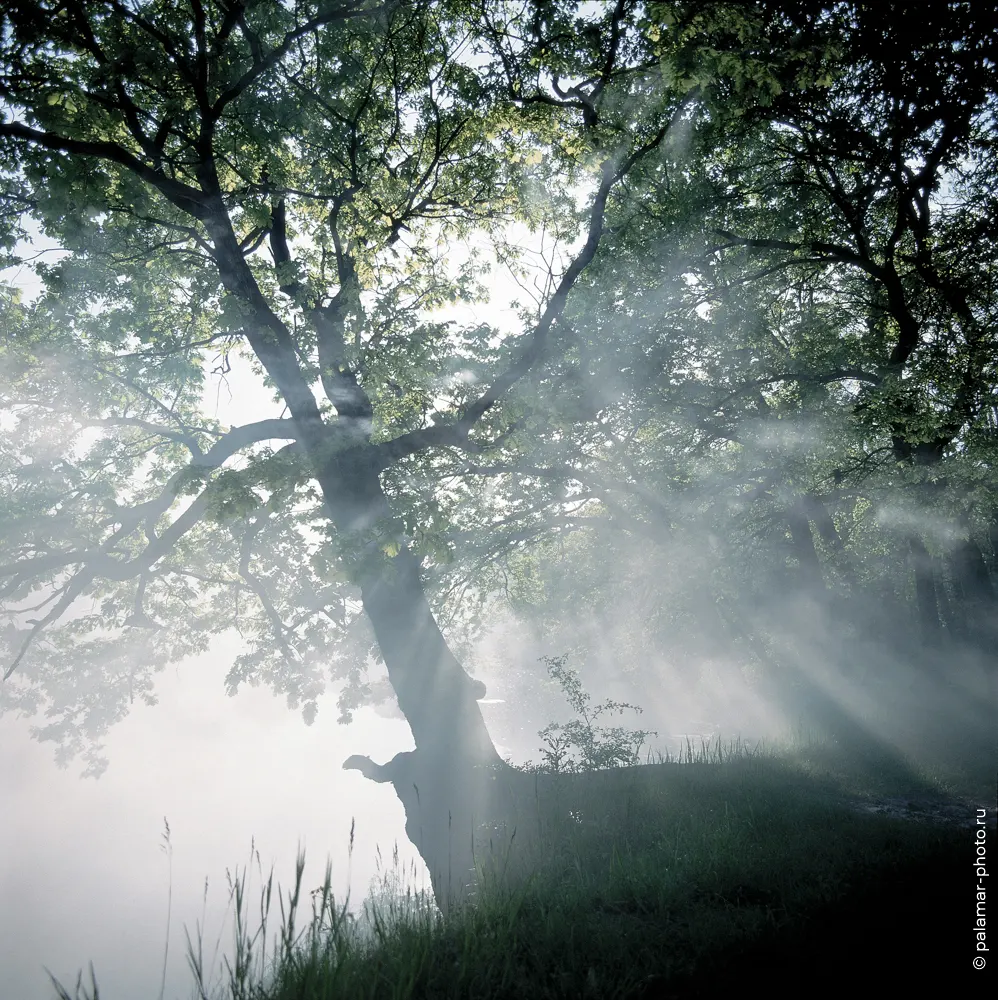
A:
413, 412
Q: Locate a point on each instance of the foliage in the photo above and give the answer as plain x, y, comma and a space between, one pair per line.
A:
761, 352
780, 381
580, 744
254, 186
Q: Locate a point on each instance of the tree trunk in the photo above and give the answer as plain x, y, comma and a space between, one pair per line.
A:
925, 590
444, 784
973, 592
809, 567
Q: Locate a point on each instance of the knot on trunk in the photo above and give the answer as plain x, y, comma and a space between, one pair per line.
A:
367, 767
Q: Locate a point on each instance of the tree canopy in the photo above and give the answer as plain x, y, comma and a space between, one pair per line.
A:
761, 350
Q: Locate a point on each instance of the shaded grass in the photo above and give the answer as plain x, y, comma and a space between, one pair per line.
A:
712, 871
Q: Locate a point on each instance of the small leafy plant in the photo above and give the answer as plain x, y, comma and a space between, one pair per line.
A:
582, 745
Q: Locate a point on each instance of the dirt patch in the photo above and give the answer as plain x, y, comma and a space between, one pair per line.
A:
952, 812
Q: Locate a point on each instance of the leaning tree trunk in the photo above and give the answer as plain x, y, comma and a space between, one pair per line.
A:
448, 783
443, 783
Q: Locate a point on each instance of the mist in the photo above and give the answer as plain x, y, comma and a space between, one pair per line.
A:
562, 433
85, 876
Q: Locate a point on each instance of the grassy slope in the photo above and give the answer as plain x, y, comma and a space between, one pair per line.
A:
741, 873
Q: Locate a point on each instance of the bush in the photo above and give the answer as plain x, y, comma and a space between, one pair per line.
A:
581, 745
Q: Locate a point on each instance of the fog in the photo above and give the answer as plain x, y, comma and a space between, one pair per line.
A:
392, 385
85, 875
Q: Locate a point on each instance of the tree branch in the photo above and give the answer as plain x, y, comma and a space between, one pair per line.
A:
100, 562
276, 623
187, 199
217, 454
262, 63
828, 251
612, 170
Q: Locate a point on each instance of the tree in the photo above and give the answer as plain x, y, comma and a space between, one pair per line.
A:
893, 178
783, 355
744, 201
283, 178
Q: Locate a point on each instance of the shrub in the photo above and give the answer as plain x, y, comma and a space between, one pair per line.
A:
581, 744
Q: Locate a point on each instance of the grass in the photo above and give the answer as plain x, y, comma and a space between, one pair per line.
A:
730, 870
